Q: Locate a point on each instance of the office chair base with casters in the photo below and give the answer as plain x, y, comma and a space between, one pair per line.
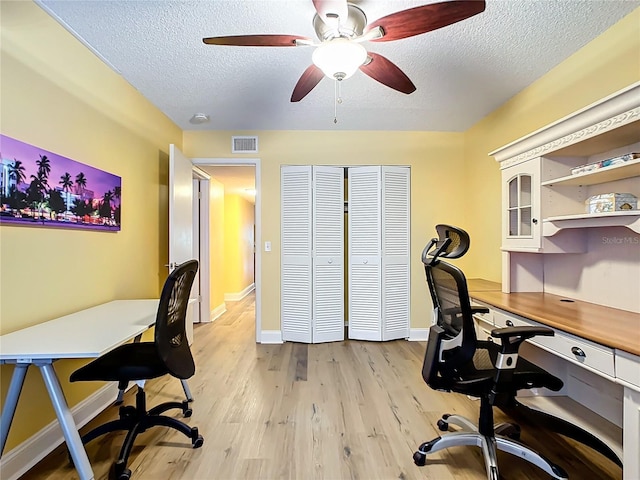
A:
501, 437
137, 420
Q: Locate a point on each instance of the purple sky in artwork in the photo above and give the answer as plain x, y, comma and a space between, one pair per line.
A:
98, 181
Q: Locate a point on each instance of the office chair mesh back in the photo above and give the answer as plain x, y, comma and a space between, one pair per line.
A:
452, 310
170, 334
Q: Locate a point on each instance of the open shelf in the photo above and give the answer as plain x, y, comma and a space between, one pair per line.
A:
601, 175
628, 218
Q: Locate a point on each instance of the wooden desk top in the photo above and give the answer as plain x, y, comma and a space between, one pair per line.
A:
607, 326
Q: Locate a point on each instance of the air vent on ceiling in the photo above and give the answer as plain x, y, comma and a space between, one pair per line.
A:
244, 144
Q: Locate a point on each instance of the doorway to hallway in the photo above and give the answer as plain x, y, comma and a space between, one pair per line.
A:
234, 225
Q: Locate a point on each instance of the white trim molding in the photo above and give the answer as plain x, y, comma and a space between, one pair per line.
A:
218, 311
271, 336
23, 457
418, 334
234, 297
607, 114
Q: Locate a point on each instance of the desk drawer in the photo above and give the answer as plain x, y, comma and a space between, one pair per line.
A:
577, 350
485, 317
628, 368
483, 329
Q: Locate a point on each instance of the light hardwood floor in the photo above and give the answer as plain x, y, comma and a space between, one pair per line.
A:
344, 410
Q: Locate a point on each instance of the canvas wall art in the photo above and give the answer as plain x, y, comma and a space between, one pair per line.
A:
41, 188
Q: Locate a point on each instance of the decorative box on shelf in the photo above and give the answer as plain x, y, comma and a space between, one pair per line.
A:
611, 202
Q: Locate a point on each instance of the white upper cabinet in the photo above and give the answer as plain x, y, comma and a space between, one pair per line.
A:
544, 189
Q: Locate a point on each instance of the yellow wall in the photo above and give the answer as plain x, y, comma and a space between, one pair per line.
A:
58, 96
238, 244
606, 65
216, 243
437, 187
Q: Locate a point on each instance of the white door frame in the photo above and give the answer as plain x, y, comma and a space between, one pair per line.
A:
201, 218
255, 162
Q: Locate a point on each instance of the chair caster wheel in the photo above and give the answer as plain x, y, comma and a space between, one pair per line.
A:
119, 471
443, 426
197, 443
187, 413
420, 459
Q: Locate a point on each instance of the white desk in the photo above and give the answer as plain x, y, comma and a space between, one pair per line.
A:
86, 334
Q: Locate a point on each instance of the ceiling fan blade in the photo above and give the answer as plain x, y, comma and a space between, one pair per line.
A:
331, 11
387, 73
256, 40
414, 21
309, 79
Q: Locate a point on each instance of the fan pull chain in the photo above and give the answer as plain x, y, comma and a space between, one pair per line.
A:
338, 100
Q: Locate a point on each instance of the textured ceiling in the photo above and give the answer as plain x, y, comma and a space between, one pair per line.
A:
462, 72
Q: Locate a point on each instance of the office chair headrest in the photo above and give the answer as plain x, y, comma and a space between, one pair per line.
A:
452, 242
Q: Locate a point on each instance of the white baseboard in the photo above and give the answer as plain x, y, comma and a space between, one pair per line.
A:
218, 311
271, 336
418, 334
234, 297
20, 459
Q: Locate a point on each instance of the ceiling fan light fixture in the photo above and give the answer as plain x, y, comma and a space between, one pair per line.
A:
339, 58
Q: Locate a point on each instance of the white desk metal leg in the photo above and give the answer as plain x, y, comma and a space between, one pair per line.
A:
69, 429
10, 403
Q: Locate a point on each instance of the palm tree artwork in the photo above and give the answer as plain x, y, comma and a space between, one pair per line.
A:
66, 183
17, 174
83, 197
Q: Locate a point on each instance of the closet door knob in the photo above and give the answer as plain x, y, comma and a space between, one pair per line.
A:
365, 261
330, 261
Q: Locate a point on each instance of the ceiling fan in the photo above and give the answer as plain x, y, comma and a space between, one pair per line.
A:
341, 28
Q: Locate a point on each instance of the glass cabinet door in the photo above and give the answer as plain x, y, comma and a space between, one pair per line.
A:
520, 206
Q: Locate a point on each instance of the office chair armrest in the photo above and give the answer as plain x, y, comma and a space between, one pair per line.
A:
512, 337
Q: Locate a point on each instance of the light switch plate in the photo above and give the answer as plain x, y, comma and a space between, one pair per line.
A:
267, 246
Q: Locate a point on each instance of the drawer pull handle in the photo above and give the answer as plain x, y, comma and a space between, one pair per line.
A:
509, 323
578, 352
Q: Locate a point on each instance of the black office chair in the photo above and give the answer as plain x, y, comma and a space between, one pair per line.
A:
169, 353
455, 361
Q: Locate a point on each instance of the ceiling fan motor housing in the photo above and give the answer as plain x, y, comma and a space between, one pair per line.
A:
350, 27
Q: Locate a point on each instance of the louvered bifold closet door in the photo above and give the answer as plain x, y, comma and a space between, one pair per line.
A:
364, 237
395, 252
296, 242
328, 253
